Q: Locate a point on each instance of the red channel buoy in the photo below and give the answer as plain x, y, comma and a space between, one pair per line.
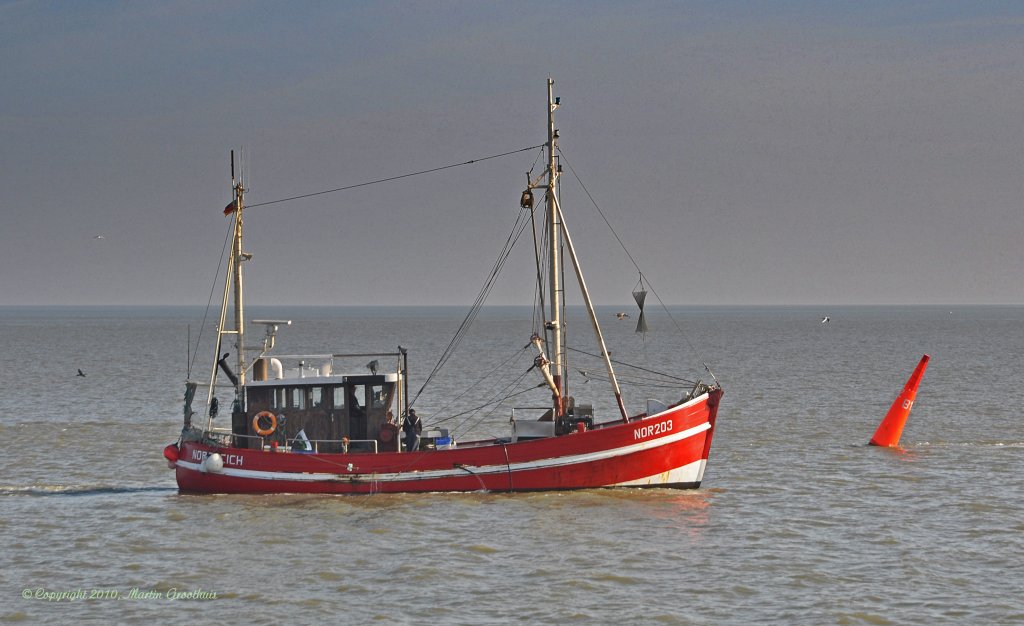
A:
889, 431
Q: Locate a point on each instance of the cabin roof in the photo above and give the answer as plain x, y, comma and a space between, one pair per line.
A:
334, 379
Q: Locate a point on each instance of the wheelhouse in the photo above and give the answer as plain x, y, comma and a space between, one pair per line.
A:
317, 410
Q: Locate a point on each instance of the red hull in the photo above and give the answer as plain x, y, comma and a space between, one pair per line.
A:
669, 449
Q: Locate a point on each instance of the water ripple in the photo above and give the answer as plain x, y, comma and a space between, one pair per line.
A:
80, 490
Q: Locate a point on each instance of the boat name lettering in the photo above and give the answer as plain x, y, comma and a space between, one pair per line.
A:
653, 429
229, 459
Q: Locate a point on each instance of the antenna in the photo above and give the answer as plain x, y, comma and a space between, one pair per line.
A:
232, 167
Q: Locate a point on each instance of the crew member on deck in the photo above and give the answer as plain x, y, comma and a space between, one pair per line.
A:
412, 426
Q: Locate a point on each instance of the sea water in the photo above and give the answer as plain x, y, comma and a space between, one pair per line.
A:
797, 522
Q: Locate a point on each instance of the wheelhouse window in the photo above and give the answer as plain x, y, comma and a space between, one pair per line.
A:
298, 398
377, 397
356, 398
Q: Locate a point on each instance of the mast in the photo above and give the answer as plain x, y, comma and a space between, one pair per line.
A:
554, 243
559, 232
232, 286
239, 302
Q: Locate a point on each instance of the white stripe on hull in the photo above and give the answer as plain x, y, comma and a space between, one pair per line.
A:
686, 475
548, 463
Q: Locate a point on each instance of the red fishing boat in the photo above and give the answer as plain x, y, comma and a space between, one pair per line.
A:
299, 424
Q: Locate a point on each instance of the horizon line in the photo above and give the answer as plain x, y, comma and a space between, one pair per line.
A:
576, 305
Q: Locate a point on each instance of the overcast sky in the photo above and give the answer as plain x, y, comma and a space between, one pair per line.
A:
745, 152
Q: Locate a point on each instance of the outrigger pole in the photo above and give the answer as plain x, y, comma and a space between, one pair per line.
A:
593, 316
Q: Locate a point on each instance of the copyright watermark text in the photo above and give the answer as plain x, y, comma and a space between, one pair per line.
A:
135, 593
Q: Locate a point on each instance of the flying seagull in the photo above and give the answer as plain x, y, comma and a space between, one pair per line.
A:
825, 320
99, 237
81, 373
621, 316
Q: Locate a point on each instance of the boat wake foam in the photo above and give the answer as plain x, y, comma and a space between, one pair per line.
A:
77, 490
973, 444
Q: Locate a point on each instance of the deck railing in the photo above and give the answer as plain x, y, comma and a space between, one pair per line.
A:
226, 438
345, 444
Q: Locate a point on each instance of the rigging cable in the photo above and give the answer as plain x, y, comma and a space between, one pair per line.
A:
493, 401
637, 266
390, 178
643, 369
510, 242
209, 301
496, 402
501, 365
538, 297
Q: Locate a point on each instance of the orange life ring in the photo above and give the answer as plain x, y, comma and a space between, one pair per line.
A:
263, 432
